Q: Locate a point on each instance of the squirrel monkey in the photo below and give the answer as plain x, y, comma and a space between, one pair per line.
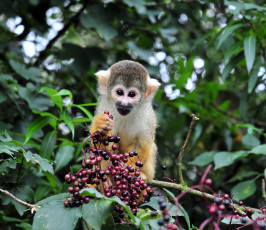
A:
126, 91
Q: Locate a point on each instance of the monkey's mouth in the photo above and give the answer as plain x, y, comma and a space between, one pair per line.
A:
123, 111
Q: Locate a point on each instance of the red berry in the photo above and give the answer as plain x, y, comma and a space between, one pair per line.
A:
226, 196
208, 181
106, 112
71, 189
99, 158
144, 194
221, 207
66, 203
67, 176
212, 209
114, 147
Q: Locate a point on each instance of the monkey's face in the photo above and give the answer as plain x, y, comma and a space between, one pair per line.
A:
125, 98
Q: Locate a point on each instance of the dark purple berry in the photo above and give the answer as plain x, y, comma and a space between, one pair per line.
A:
160, 222
154, 213
116, 139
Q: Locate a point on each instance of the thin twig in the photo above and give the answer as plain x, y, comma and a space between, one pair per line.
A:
180, 156
34, 207
73, 19
163, 184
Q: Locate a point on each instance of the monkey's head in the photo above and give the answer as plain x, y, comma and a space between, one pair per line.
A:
127, 84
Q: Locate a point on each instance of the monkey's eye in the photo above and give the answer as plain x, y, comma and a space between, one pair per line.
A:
132, 94
119, 92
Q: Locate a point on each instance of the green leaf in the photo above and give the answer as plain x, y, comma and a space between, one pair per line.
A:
261, 149
138, 4
54, 215
41, 192
173, 210
48, 144
241, 175
231, 219
52, 180
5, 137
95, 193
64, 92
254, 75
88, 113
169, 193
250, 140
63, 156
37, 159
96, 212
231, 65
36, 125
67, 119
186, 216
34, 100
226, 32
81, 120
8, 149
24, 226
31, 73
203, 159
243, 190
222, 159
239, 154
98, 20
12, 219
7, 163
143, 53
250, 50
57, 100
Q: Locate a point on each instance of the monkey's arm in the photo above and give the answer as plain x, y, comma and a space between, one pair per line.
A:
102, 124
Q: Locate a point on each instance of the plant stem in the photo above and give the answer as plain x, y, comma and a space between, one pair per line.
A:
180, 156
34, 207
180, 187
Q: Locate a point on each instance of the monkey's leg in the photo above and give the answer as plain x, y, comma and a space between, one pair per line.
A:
146, 154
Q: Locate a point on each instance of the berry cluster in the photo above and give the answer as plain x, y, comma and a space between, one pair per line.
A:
223, 202
111, 172
165, 214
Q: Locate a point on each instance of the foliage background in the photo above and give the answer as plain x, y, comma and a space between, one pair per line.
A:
209, 57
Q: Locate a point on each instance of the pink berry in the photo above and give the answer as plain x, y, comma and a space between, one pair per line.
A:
67, 176
114, 147
212, 209
208, 181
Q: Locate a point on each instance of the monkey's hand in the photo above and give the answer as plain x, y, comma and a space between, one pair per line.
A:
102, 124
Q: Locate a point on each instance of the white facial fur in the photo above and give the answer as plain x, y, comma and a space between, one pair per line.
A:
125, 99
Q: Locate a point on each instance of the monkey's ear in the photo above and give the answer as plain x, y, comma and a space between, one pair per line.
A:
102, 76
153, 85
